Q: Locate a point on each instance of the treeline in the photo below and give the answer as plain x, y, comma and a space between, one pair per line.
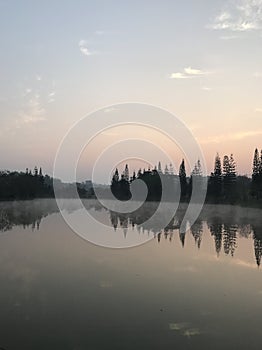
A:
25, 185
16, 185
224, 185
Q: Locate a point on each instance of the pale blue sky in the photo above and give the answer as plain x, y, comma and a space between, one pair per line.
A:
60, 60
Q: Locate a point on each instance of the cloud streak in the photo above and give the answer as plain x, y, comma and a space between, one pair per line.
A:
188, 73
83, 47
206, 88
234, 136
239, 16
179, 76
32, 113
51, 97
192, 71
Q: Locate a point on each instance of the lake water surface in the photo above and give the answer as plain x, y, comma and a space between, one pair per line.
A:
199, 290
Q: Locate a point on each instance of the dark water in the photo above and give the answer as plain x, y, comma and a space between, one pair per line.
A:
201, 290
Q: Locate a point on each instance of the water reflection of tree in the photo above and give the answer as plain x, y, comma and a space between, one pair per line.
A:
257, 237
197, 231
216, 230
258, 250
114, 219
225, 229
230, 239
225, 224
29, 213
25, 213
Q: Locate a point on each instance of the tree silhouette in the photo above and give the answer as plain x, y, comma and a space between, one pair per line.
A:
197, 171
256, 164
256, 187
215, 182
126, 173
224, 185
229, 179
159, 168
183, 180
196, 178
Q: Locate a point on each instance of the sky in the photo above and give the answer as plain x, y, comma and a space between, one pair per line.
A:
61, 60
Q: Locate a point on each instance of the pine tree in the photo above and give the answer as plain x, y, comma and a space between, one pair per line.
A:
226, 166
256, 186
182, 170
229, 178
126, 173
171, 169
256, 164
217, 167
159, 168
197, 171
182, 178
232, 169
115, 176
260, 163
139, 173
215, 181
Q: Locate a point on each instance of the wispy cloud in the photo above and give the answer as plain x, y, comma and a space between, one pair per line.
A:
51, 97
33, 112
187, 73
192, 71
233, 136
83, 47
27, 91
206, 88
239, 16
52, 93
179, 76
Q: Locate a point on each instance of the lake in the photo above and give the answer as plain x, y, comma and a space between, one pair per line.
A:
196, 290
